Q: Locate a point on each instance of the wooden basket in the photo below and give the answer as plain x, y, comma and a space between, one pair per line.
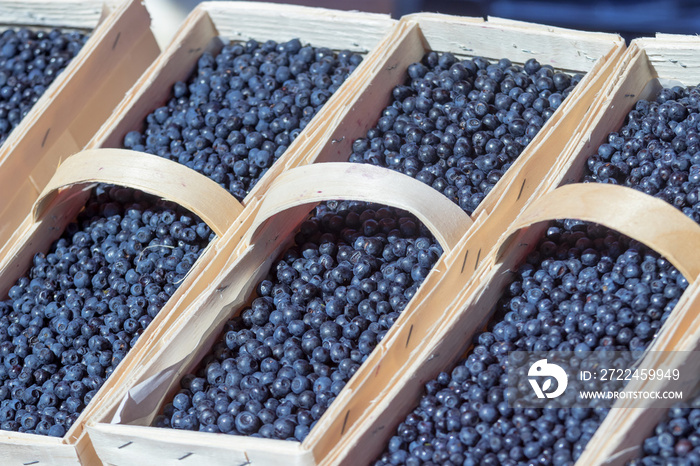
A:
79, 100
496, 38
56, 207
648, 220
180, 348
637, 75
648, 65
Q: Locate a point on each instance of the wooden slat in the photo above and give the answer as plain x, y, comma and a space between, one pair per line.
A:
356, 31
145, 172
20, 449
673, 57
564, 49
136, 445
312, 184
80, 14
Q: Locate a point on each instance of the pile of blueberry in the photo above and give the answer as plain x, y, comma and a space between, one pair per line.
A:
68, 323
584, 288
323, 308
676, 440
459, 125
240, 110
657, 150
29, 62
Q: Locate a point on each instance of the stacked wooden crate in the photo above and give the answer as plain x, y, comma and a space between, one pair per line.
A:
456, 298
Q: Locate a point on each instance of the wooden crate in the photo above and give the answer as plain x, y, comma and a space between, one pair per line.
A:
648, 65
648, 220
598, 54
56, 206
331, 143
65, 118
287, 203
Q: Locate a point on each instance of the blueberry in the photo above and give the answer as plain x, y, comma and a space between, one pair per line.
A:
240, 110
432, 102
30, 61
568, 294
57, 357
299, 342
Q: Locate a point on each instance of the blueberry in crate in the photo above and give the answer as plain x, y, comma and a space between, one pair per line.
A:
676, 439
242, 108
656, 151
326, 303
67, 323
29, 62
458, 125
583, 288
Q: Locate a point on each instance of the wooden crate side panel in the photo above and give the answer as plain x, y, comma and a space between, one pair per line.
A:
571, 51
674, 57
370, 94
79, 14
320, 27
32, 449
136, 445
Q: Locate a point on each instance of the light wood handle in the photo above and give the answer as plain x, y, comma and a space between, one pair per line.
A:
314, 183
640, 216
146, 172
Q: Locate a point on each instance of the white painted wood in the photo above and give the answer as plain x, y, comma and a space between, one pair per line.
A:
564, 49
137, 445
320, 27
79, 14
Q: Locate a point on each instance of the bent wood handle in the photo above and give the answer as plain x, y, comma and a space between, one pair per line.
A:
145, 172
310, 184
647, 219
